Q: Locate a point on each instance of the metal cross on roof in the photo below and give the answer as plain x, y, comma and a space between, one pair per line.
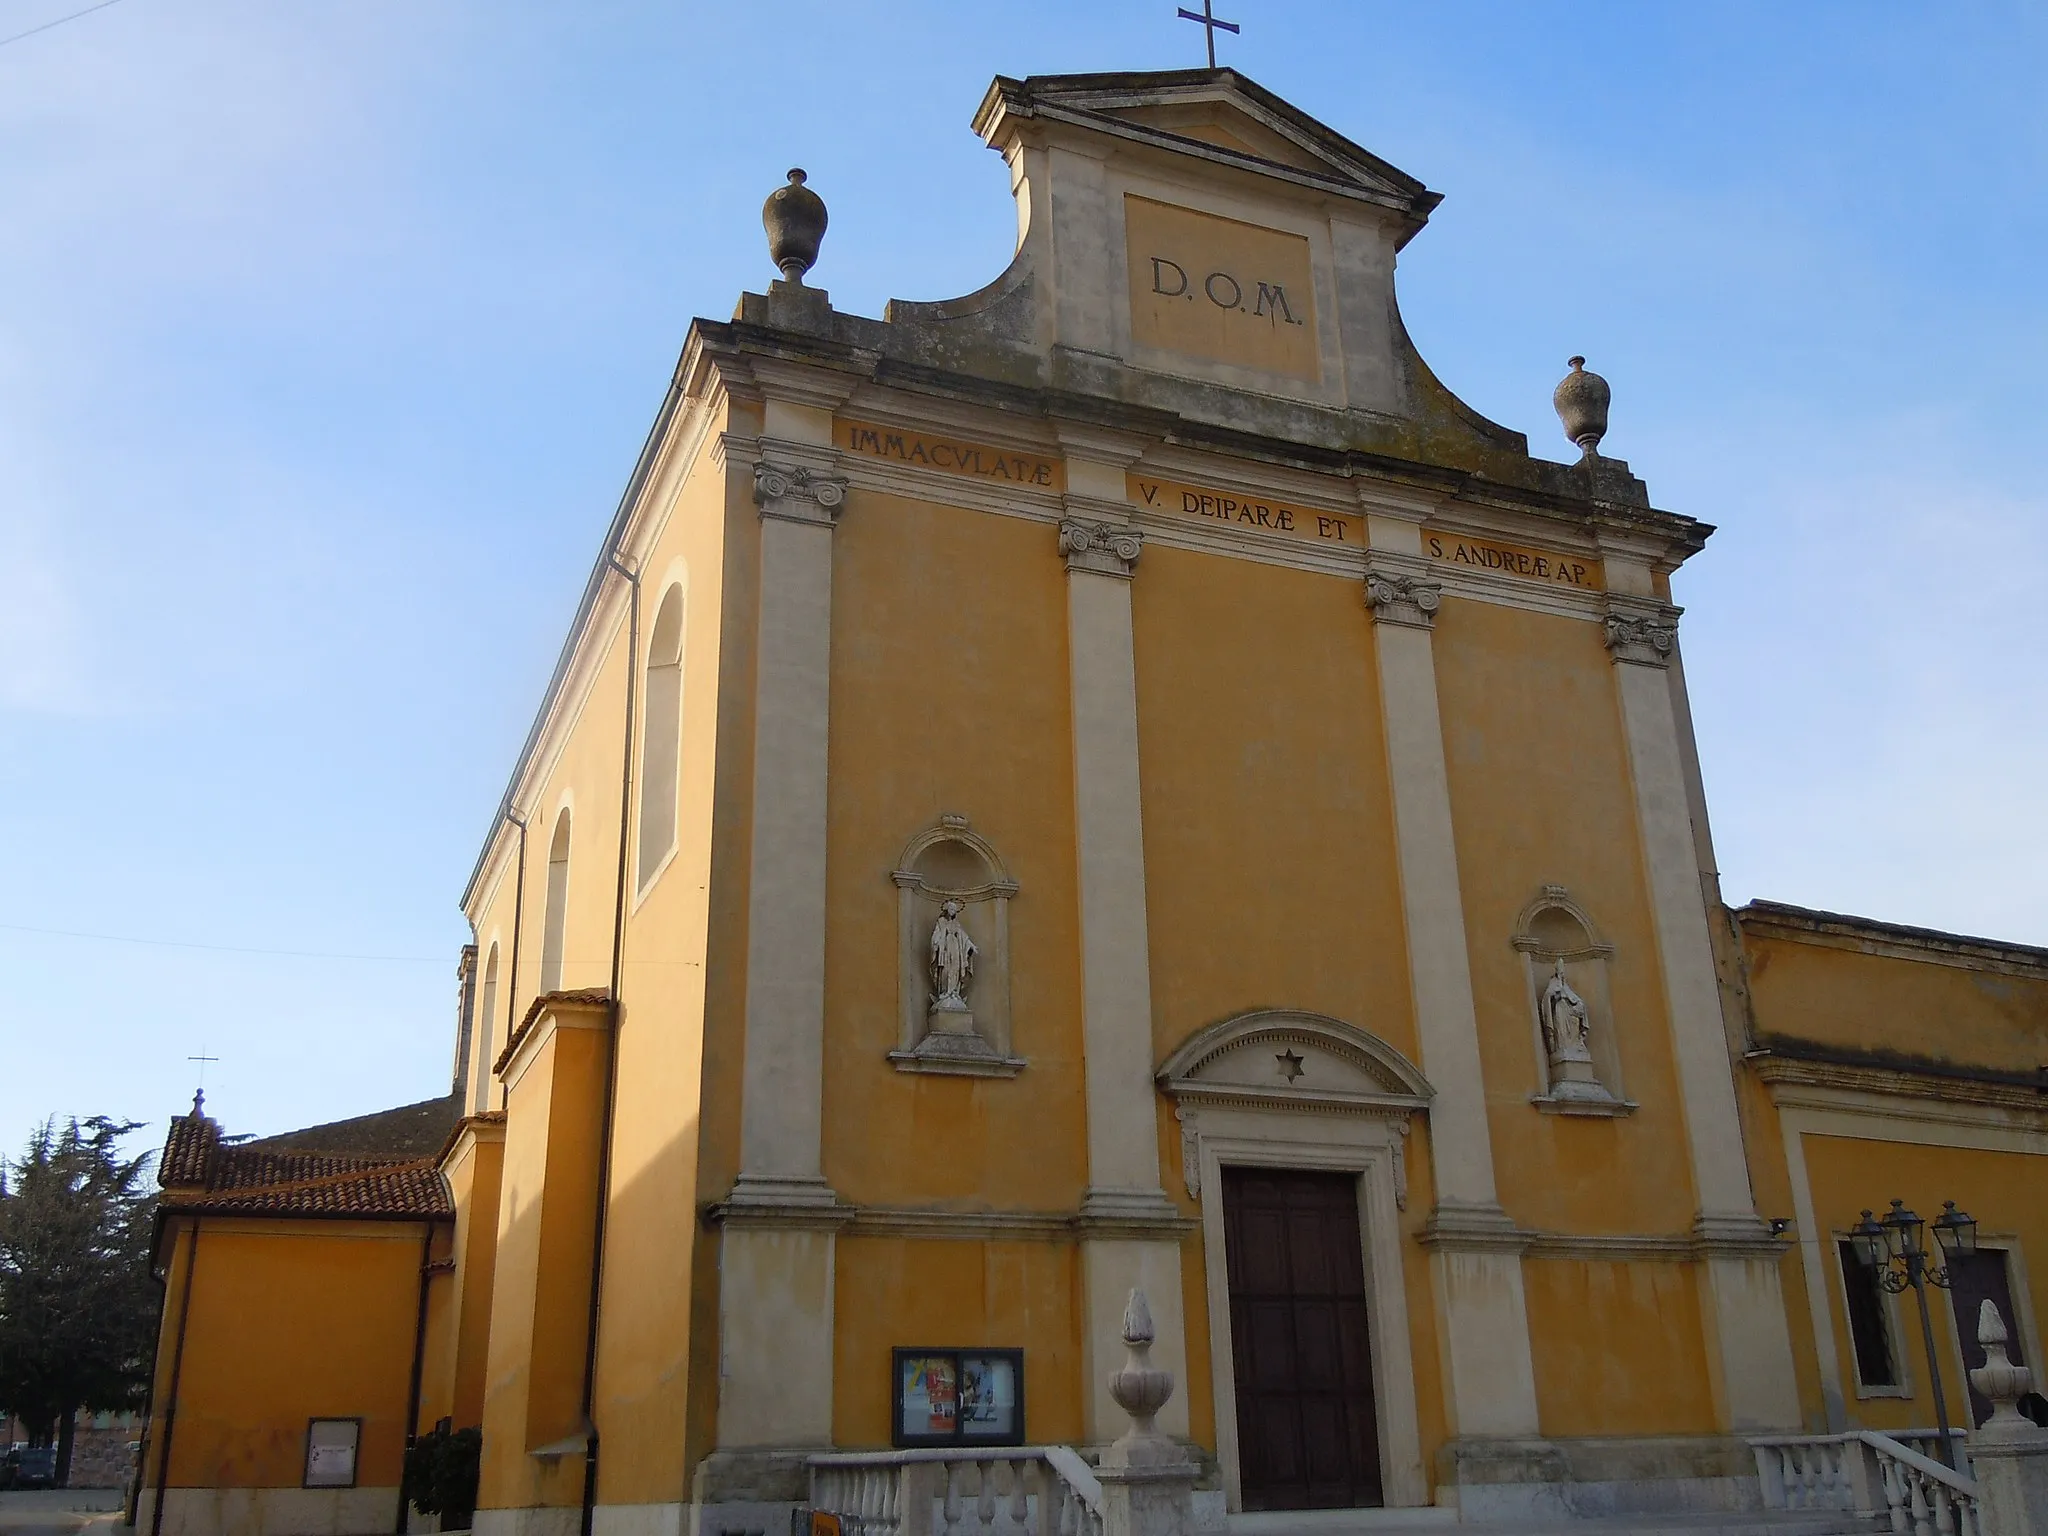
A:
202, 1058
1209, 22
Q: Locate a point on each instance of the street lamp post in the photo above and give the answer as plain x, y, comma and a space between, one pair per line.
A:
1896, 1248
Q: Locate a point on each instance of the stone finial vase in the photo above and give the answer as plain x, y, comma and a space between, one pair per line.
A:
1141, 1389
794, 217
2008, 1455
1581, 400
1998, 1378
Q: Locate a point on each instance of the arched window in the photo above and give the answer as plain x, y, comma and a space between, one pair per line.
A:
661, 736
486, 1025
555, 916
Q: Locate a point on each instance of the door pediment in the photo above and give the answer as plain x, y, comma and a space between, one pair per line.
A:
1287, 1059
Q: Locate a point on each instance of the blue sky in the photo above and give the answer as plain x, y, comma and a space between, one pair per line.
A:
329, 330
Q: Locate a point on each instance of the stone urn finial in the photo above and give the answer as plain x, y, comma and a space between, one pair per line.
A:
1581, 401
794, 217
2001, 1381
1140, 1388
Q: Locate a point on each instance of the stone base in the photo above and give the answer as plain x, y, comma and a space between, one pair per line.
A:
271, 1511
640, 1520
749, 1493
539, 1520
1539, 1480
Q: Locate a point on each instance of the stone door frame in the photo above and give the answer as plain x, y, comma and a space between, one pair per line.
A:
1369, 1148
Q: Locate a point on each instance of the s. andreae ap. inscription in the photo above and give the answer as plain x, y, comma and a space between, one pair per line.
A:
1221, 290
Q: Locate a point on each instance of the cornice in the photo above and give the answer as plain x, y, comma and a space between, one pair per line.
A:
666, 458
944, 1223
1489, 1229
1542, 488
1797, 1072
1896, 941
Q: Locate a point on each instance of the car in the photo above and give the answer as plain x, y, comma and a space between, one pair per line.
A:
10, 1464
36, 1467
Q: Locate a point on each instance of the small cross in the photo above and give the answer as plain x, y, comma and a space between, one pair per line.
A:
1290, 1065
1209, 22
202, 1058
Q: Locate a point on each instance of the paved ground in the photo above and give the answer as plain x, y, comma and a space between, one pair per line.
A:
60, 1511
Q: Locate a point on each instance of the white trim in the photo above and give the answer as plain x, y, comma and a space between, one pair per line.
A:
1370, 1147
1894, 1330
676, 577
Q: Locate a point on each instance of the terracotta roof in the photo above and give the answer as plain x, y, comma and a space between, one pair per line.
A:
188, 1149
202, 1175
481, 1117
411, 1130
307, 1184
547, 1000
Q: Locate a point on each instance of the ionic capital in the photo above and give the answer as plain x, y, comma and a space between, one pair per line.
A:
1397, 597
798, 494
1641, 631
1101, 548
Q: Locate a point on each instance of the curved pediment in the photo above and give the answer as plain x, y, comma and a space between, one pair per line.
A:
1285, 1058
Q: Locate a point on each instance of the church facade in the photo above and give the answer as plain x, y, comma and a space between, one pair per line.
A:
1122, 781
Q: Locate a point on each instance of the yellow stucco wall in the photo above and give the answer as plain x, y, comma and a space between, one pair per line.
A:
947, 1294
1541, 795
460, 1342
1269, 861
949, 695
1871, 1002
1618, 1347
540, 1296
288, 1321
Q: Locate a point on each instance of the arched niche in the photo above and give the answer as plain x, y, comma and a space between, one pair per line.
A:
1555, 935
949, 862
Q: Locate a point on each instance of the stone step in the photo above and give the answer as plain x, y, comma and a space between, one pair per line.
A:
1442, 1522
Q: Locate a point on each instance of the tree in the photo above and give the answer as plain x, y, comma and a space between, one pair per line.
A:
77, 1308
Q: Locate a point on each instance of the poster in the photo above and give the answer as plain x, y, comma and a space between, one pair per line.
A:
331, 1452
959, 1397
988, 1399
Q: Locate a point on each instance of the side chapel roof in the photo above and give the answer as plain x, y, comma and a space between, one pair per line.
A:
369, 1168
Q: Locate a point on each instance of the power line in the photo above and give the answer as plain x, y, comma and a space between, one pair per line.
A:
32, 31
220, 949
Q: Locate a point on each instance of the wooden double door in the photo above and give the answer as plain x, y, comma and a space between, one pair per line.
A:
1307, 1431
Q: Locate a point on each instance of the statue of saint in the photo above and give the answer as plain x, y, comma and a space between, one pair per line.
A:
1566, 1032
952, 961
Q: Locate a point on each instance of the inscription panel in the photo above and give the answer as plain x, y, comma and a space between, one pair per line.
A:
949, 455
1221, 290
1245, 508
1559, 570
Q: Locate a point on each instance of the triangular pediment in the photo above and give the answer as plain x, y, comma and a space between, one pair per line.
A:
1213, 114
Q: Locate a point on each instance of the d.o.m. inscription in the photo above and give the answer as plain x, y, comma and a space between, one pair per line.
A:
1221, 290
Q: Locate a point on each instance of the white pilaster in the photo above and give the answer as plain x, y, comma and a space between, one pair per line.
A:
1749, 1344
777, 1238
1483, 1323
1131, 1231
782, 1087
